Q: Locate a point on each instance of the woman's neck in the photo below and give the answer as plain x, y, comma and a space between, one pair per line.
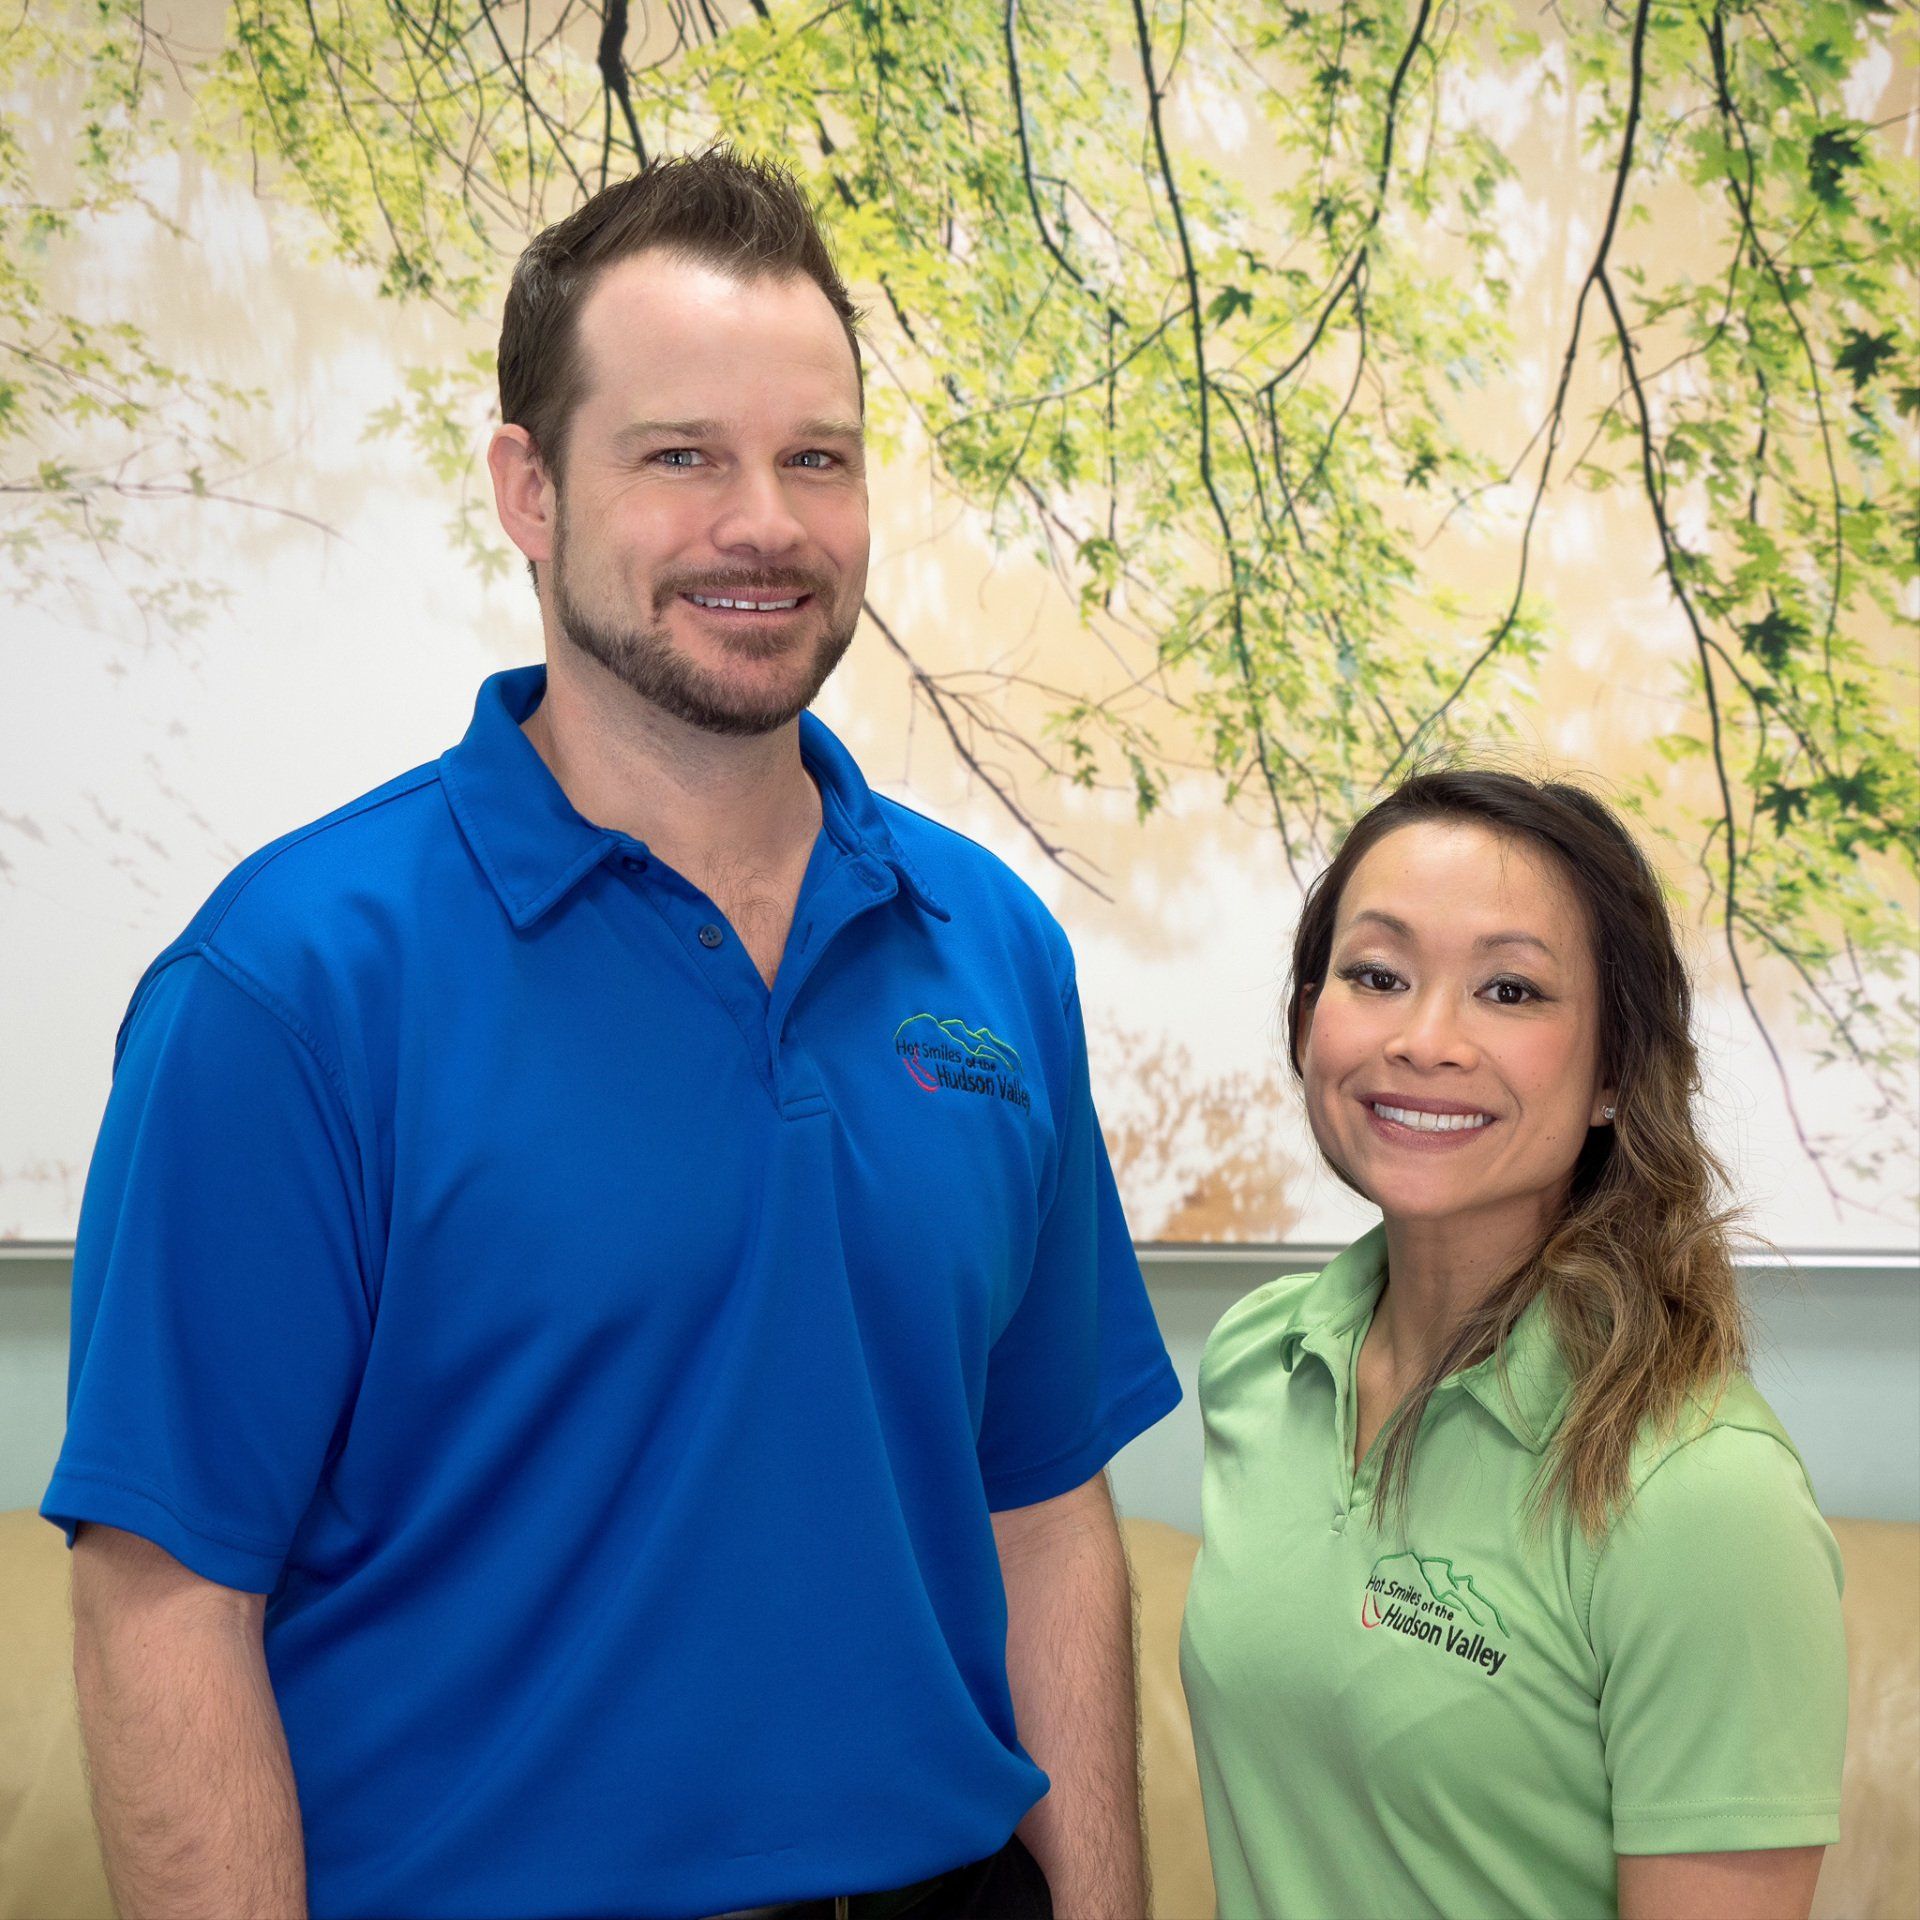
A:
1438, 1272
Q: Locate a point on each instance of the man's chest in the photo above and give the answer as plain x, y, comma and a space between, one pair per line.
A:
629, 1143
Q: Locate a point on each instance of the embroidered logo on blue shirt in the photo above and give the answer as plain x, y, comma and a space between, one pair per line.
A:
950, 1056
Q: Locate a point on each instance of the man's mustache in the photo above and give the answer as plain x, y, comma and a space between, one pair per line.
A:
779, 585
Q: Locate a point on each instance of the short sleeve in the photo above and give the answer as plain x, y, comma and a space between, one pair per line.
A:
1080, 1368
220, 1315
1716, 1620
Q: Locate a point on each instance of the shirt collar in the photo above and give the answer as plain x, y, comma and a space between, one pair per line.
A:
534, 848
1528, 1385
1526, 1388
852, 814
1339, 1300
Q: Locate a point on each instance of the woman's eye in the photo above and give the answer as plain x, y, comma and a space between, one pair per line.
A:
1374, 979
1512, 993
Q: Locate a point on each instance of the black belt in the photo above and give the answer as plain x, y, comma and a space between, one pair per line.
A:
884, 1905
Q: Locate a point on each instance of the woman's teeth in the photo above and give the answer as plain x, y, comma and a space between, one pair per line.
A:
1433, 1122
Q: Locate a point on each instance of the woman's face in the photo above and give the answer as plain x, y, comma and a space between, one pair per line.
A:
1451, 1056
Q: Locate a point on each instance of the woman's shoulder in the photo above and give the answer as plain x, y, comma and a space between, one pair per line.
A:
1722, 1478
1267, 1326
1259, 1325
1725, 1439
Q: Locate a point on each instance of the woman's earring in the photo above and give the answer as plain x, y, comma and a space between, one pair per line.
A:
1606, 1113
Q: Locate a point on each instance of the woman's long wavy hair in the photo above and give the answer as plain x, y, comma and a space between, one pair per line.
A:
1637, 1272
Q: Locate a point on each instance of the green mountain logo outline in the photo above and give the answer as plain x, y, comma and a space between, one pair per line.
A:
979, 1043
1436, 1574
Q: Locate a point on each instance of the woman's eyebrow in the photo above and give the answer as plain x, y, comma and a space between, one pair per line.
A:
1374, 916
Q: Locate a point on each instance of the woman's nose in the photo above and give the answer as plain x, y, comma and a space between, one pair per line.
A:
1432, 1034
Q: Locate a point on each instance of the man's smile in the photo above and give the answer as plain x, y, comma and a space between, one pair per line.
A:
715, 603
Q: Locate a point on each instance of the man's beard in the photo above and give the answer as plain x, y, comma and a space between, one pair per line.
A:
646, 659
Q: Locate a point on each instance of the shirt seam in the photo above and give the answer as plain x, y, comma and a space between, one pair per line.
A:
1115, 1411
276, 1009
1726, 1807
1727, 1803
1597, 1554
258, 1548
354, 810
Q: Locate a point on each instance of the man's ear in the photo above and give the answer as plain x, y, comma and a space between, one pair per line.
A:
523, 495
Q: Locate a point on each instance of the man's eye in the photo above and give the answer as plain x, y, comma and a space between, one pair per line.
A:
814, 459
678, 457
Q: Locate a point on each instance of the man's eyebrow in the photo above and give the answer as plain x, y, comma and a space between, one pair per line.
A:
637, 431
830, 429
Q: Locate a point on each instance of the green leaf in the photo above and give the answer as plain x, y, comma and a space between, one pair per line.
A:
1226, 303
1863, 355
1773, 639
1786, 804
1830, 158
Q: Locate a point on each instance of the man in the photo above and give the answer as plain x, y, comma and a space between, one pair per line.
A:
601, 1309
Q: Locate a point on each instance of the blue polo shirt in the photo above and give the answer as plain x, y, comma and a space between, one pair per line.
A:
606, 1366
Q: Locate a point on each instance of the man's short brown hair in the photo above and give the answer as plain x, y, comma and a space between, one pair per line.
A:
746, 217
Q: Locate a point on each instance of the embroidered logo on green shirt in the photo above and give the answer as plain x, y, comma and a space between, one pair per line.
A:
1423, 1597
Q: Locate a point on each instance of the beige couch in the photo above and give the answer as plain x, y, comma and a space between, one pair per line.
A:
50, 1863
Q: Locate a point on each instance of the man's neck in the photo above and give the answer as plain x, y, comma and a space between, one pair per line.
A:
698, 800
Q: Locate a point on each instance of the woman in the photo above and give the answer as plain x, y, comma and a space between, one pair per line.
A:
1514, 1597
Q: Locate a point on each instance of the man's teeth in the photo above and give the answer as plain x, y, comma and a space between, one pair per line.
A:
751, 606
1432, 1122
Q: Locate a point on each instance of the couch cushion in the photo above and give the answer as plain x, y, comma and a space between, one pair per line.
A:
1162, 1559
1875, 1870
49, 1860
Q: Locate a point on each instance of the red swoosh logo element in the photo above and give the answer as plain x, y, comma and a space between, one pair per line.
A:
1366, 1601
919, 1078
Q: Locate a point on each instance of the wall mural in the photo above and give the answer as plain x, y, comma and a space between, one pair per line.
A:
1267, 396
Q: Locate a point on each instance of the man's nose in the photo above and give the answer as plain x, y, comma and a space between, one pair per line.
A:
1432, 1032
757, 516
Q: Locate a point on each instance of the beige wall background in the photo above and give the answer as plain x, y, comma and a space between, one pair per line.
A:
139, 762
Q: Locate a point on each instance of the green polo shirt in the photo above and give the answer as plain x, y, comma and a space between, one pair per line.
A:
1476, 1718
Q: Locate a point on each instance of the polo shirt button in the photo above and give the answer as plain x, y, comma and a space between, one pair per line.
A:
710, 935
1339, 1519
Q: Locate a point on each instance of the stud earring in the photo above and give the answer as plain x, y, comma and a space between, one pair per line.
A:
1606, 1113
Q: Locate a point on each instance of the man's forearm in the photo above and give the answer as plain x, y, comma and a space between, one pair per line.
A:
1070, 1663
193, 1790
